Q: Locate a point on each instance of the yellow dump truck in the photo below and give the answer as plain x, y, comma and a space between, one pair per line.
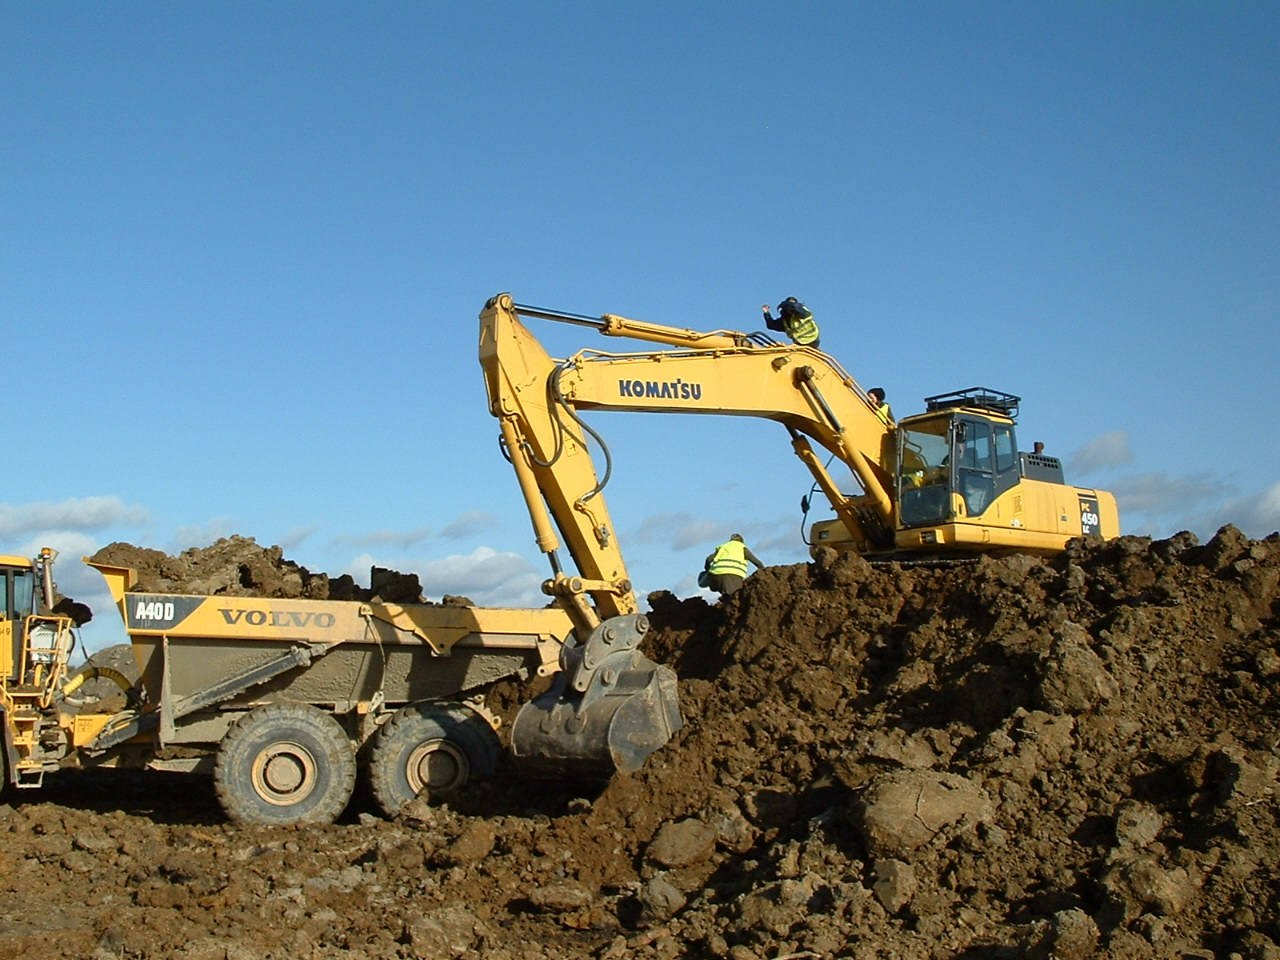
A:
280, 700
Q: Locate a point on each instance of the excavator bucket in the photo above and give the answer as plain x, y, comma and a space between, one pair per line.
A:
609, 708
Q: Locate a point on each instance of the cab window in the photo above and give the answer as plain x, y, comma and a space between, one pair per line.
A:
923, 493
975, 474
22, 593
1006, 449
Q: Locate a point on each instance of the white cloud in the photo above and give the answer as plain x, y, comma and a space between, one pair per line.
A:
485, 576
469, 524
384, 538
1163, 495
1257, 515
83, 513
680, 530
1108, 450
200, 535
292, 538
1158, 506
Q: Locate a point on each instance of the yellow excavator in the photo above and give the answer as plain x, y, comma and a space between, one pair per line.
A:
949, 482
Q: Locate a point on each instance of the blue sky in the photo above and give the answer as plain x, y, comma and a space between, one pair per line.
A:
245, 246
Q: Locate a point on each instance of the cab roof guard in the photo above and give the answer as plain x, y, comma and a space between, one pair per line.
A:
983, 398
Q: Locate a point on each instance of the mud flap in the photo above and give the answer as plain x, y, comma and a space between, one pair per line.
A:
609, 709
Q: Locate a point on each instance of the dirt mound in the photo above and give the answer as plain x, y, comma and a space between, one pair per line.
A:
237, 566
1068, 758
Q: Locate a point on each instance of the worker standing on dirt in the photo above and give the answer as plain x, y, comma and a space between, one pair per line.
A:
795, 320
726, 567
881, 408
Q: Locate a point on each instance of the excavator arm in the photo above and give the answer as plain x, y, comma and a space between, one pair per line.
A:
538, 400
546, 445
610, 706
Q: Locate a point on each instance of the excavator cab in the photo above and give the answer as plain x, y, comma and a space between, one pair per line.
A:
961, 484
955, 461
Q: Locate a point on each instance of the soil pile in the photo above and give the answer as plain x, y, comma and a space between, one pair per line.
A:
238, 567
1066, 758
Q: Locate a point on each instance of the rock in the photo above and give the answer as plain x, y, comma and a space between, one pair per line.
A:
1067, 935
474, 843
1140, 885
1137, 824
682, 843
895, 884
897, 747
764, 910
904, 810
443, 933
1226, 546
560, 898
1267, 663
1074, 679
733, 830
95, 842
1241, 777
659, 900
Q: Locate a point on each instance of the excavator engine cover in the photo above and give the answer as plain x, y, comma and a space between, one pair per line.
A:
609, 708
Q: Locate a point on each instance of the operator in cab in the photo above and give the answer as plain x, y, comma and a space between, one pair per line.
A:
795, 320
726, 566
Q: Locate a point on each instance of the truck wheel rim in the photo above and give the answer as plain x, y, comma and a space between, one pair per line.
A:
284, 773
436, 765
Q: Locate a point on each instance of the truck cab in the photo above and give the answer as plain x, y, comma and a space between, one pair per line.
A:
17, 602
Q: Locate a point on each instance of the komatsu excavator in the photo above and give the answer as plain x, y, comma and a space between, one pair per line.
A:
948, 482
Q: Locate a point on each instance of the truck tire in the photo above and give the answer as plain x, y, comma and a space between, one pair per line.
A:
429, 748
285, 763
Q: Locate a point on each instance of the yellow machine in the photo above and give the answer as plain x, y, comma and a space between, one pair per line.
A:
944, 483
34, 648
278, 699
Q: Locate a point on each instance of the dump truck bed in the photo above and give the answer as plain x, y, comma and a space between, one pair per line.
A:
200, 656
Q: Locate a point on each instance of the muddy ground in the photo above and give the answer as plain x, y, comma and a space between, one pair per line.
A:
1067, 758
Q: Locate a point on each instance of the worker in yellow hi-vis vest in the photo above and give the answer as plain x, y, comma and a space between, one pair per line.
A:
795, 320
726, 567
